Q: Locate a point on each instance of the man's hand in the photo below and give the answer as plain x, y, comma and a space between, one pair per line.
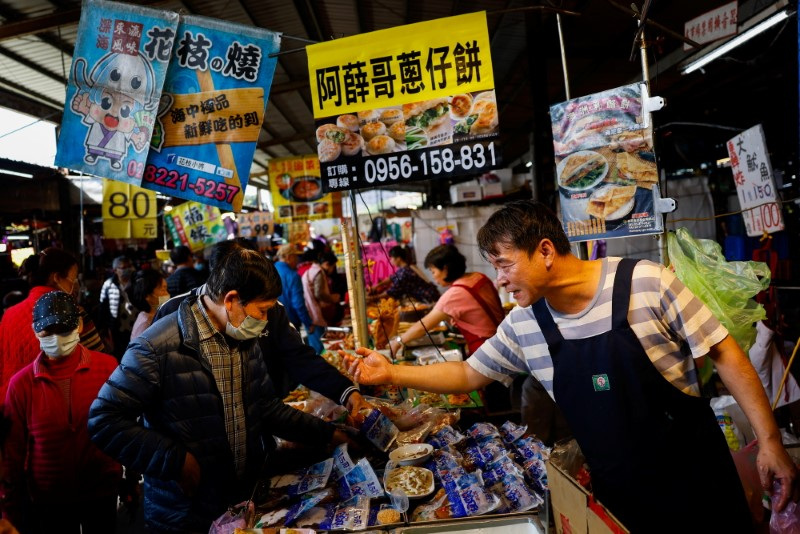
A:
355, 403
395, 349
340, 436
774, 462
190, 475
373, 369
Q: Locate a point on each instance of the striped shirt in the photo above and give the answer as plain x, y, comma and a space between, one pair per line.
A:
226, 365
672, 325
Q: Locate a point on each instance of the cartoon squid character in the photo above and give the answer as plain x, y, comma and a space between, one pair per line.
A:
117, 104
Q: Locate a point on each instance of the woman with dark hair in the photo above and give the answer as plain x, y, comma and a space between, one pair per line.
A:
149, 292
318, 297
470, 302
50, 270
407, 281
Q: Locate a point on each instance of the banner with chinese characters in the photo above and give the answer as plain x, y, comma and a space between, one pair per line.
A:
195, 225
215, 96
408, 103
129, 212
118, 69
605, 165
712, 25
296, 188
755, 184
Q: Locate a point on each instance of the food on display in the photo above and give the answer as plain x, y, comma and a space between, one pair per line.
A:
388, 515
413, 454
413, 481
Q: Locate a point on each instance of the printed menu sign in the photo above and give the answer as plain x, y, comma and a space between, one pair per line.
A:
115, 83
755, 185
605, 165
408, 103
297, 189
212, 111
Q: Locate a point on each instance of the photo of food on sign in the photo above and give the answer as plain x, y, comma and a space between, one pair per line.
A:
602, 183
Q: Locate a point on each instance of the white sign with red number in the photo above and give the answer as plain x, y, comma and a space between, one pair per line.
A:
752, 172
713, 25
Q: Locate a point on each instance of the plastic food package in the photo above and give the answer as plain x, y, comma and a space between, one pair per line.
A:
511, 432
515, 496
342, 463
360, 480
304, 480
378, 429
727, 288
787, 521
236, 517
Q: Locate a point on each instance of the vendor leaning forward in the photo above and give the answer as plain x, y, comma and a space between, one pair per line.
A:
614, 343
200, 382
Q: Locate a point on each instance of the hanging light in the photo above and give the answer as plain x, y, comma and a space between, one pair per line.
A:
736, 41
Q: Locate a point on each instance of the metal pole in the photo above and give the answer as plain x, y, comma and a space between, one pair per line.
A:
355, 273
663, 257
563, 55
579, 249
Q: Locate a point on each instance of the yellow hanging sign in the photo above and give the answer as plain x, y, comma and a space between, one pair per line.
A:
129, 211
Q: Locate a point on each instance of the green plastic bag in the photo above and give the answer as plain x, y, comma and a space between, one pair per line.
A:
726, 287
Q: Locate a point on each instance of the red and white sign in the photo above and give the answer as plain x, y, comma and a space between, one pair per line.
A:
755, 185
713, 25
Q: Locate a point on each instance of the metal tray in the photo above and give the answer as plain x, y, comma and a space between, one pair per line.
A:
508, 524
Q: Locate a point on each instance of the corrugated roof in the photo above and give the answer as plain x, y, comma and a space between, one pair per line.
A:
37, 38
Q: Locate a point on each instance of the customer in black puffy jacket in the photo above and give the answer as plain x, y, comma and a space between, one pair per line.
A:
208, 408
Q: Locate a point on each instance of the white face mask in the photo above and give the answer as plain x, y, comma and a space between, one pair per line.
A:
59, 345
249, 329
162, 299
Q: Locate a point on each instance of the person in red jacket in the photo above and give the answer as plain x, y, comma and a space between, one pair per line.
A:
50, 270
54, 474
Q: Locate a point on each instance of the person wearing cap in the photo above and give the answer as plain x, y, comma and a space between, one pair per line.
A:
292, 293
202, 385
53, 472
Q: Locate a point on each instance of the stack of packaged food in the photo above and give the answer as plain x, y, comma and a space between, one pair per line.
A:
484, 470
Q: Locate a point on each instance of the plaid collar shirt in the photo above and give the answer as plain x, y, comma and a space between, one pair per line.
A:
226, 365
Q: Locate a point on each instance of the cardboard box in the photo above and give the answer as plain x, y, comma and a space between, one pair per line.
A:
492, 190
466, 192
575, 511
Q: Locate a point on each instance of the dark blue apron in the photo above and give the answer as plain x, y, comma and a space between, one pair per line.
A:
657, 457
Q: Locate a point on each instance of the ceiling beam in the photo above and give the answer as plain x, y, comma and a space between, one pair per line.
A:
26, 91
25, 105
13, 56
15, 27
310, 22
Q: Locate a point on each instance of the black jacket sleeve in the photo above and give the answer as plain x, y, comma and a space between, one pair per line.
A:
286, 354
291, 424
